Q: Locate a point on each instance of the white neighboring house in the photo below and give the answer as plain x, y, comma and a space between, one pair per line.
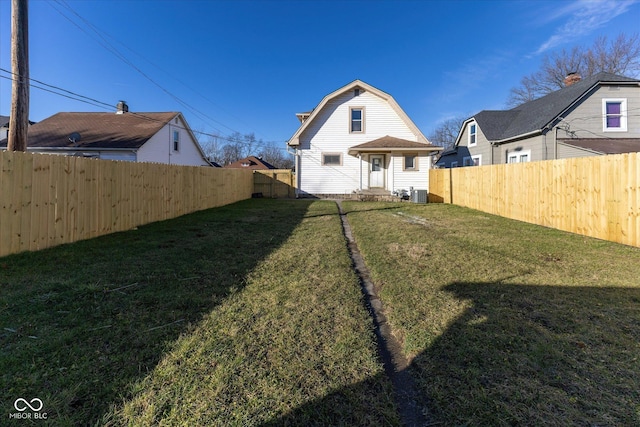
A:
137, 137
4, 127
358, 139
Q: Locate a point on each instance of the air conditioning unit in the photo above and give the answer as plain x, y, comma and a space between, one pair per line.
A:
419, 196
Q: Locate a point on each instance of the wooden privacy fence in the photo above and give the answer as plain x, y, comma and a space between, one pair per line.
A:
594, 196
47, 200
280, 183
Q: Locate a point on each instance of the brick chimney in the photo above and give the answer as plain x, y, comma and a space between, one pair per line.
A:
122, 107
572, 78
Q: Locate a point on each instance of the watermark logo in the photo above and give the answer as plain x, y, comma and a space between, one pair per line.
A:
28, 409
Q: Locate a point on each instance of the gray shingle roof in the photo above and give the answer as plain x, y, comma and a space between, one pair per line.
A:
535, 115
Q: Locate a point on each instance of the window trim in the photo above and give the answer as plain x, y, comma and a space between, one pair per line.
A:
623, 114
416, 165
453, 164
351, 121
175, 143
469, 160
518, 154
323, 160
474, 134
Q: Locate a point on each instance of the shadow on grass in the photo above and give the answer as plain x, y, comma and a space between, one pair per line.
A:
525, 355
80, 323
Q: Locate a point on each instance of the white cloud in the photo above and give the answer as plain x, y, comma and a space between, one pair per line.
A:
583, 17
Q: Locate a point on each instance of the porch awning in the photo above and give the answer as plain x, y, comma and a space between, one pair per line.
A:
388, 144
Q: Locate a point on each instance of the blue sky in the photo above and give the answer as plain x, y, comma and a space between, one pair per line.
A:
249, 66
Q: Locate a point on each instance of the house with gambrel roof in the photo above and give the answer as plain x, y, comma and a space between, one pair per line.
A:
163, 137
359, 140
593, 116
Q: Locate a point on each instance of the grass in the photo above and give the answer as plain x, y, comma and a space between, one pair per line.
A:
251, 314
243, 315
507, 323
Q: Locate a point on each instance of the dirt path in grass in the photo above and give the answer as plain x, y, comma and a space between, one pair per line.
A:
395, 363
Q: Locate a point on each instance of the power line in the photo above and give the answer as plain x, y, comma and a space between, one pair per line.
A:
102, 40
70, 95
104, 105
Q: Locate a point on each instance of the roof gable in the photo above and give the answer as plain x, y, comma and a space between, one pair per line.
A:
308, 118
534, 116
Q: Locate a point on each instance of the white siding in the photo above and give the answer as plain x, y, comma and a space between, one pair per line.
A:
159, 148
418, 179
329, 133
122, 156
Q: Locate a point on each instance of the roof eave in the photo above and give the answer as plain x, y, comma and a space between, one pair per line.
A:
355, 152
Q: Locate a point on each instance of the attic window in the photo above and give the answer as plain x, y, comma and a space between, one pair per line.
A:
356, 92
473, 130
614, 115
357, 120
176, 140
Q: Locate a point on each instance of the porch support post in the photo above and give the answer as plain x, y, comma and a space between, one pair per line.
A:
360, 157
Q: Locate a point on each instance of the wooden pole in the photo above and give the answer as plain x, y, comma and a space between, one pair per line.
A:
19, 116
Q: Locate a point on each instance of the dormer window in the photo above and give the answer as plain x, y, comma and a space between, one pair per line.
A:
357, 120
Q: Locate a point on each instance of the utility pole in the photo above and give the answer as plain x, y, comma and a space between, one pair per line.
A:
19, 119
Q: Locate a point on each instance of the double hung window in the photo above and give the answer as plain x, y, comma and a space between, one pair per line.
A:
357, 120
473, 130
614, 115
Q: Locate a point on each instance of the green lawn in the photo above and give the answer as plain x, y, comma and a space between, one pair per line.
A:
250, 314
243, 315
507, 323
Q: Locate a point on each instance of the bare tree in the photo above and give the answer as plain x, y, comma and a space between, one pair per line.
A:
212, 148
620, 56
446, 133
277, 156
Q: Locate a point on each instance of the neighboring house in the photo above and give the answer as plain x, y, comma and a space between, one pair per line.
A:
251, 162
137, 137
4, 127
358, 139
593, 116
